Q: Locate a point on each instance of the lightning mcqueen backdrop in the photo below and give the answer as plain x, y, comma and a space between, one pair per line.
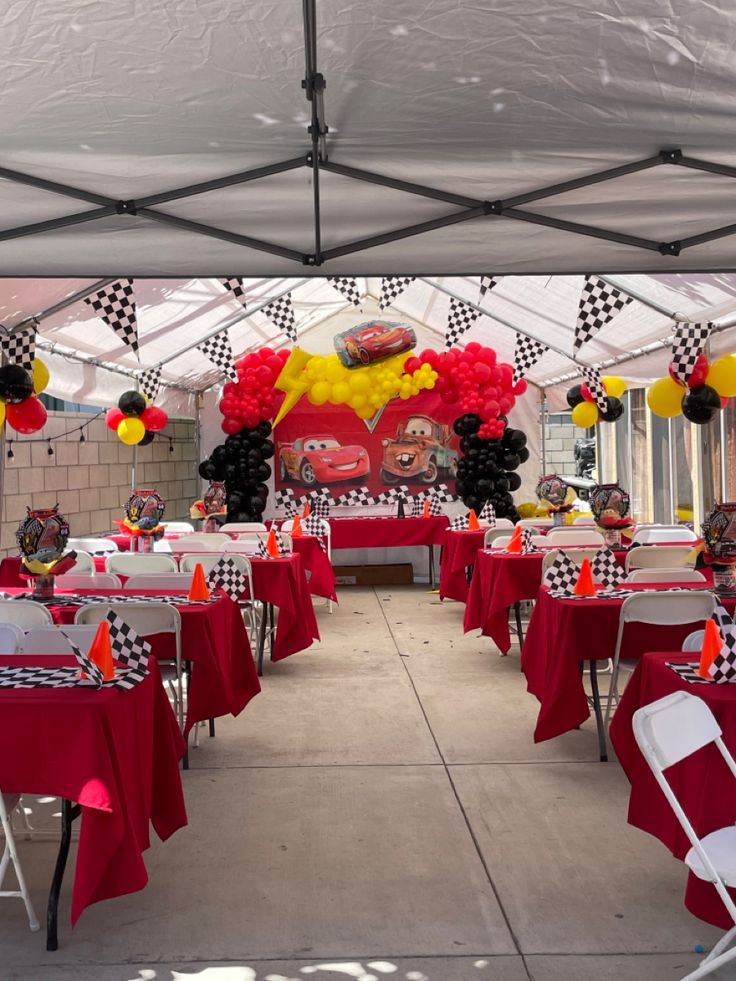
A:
328, 446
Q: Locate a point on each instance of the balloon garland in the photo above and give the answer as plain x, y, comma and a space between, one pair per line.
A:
241, 463
20, 406
134, 421
585, 411
486, 471
708, 390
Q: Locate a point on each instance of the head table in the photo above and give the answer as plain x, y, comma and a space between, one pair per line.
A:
116, 754
702, 783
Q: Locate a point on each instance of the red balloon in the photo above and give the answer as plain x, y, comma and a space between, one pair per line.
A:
264, 354
411, 365
481, 372
700, 372
520, 387
586, 393
724, 401
113, 418
153, 418
28, 416
275, 364
231, 426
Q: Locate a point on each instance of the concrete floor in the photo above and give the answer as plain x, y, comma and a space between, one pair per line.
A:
381, 811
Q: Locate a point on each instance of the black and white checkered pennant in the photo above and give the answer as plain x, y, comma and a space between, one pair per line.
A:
527, 545
150, 382
606, 570
225, 575
486, 284
488, 515
723, 668
460, 320
218, 350
562, 574
526, 354
281, 313
458, 523
443, 494
127, 646
687, 345
235, 286
20, 346
348, 286
391, 288
285, 499
595, 386
356, 497
116, 305
313, 525
435, 506
319, 502
393, 495
599, 303
86, 664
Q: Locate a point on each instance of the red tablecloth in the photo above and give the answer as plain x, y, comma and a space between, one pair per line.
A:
702, 783
563, 633
317, 564
459, 549
282, 582
214, 640
387, 532
114, 752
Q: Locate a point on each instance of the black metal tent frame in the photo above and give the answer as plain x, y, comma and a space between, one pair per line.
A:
318, 162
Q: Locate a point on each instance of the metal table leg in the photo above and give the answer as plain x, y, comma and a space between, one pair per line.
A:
598, 713
261, 640
69, 812
430, 548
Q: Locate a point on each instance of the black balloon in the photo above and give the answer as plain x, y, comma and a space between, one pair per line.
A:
256, 505
16, 384
523, 454
263, 429
517, 439
207, 470
267, 450
510, 461
482, 471
147, 438
574, 396
239, 461
614, 410
131, 403
467, 424
514, 481
701, 405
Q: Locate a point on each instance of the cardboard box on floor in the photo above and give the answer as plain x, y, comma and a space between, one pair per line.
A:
375, 575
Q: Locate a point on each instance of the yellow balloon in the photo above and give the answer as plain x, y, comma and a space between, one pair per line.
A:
2, 413
722, 376
614, 385
340, 393
131, 431
664, 398
40, 376
585, 414
333, 370
319, 393
359, 381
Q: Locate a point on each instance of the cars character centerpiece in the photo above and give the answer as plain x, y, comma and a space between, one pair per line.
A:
322, 460
211, 505
143, 512
373, 341
42, 538
421, 451
610, 506
718, 550
555, 496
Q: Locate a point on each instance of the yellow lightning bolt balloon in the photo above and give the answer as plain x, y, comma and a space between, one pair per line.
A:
292, 381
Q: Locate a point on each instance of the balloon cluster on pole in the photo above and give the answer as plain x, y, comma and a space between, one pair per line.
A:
708, 389
19, 391
241, 463
585, 411
486, 470
134, 421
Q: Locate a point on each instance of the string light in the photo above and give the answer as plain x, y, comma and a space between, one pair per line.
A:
50, 450
82, 438
171, 445
10, 450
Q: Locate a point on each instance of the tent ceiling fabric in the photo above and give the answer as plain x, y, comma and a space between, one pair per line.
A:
130, 99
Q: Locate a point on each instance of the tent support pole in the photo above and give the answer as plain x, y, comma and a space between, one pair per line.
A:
543, 414
671, 464
62, 304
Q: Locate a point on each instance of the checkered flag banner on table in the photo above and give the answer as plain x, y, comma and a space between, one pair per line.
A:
356, 497
488, 515
127, 647
443, 494
723, 668
527, 545
86, 664
687, 345
225, 575
150, 382
115, 304
263, 552
391, 288
605, 569
20, 346
234, 285
313, 525
486, 285
527, 352
319, 503
599, 303
218, 350
285, 499
281, 313
562, 575
348, 286
458, 523
460, 320
417, 507
595, 386
393, 495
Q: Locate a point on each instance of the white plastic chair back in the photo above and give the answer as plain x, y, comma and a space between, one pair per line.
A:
11, 638
694, 641
83, 564
239, 526
94, 546
208, 540
8, 803
504, 523
131, 563
533, 522
287, 541
244, 544
538, 541
665, 575
493, 534
583, 537
254, 535
208, 560
51, 640
658, 534
576, 555
584, 519
24, 613
658, 557
175, 582
96, 580
177, 527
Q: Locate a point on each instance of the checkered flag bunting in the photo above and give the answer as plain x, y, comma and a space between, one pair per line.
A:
285, 499
461, 319
218, 350
319, 504
281, 314
313, 525
458, 523
127, 647
225, 575
443, 494
599, 303
19, 347
562, 574
488, 515
393, 495
527, 352
605, 569
234, 285
150, 382
115, 304
595, 386
391, 288
486, 285
355, 497
687, 345
348, 286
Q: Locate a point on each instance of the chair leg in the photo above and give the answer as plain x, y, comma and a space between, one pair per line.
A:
710, 963
261, 642
212, 728
10, 854
602, 744
519, 628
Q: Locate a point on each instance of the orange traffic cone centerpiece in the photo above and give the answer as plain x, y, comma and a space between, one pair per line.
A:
515, 545
307, 511
425, 512
296, 528
712, 646
272, 546
198, 590
473, 521
585, 585
100, 652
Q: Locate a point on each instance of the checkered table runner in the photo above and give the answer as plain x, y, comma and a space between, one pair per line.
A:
121, 598
687, 670
65, 677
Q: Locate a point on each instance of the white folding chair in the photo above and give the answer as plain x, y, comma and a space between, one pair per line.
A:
94, 546
174, 582
131, 563
584, 519
583, 537
665, 575
324, 534
8, 803
658, 534
204, 540
53, 640
11, 638
576, 554
24, 613
658, 557
533, 523
538, 541
245, 544
694, 641
83, 564
95, 580
177, 527
668, 731
492, 534
239, 526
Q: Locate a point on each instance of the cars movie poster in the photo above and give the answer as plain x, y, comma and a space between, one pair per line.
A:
412, 443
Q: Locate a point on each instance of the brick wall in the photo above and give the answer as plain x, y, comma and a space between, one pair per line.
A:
91, 480
560, 443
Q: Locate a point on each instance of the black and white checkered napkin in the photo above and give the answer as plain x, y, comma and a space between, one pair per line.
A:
723, 668
348, 286
61, 599
606, 570
19, 347
687, 345
391, 288
225, 575
486, 285
561, 575
435, 506
86, 664
281, 314
461, 318
219, 351
599, 303
688, 671
488, 515
417, 507
263, 552
127, 646
115, 304
459, 523
527, 352
150, 382
527, 545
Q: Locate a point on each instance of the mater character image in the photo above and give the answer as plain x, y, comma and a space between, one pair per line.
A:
321, 460
420, 451
374, 341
